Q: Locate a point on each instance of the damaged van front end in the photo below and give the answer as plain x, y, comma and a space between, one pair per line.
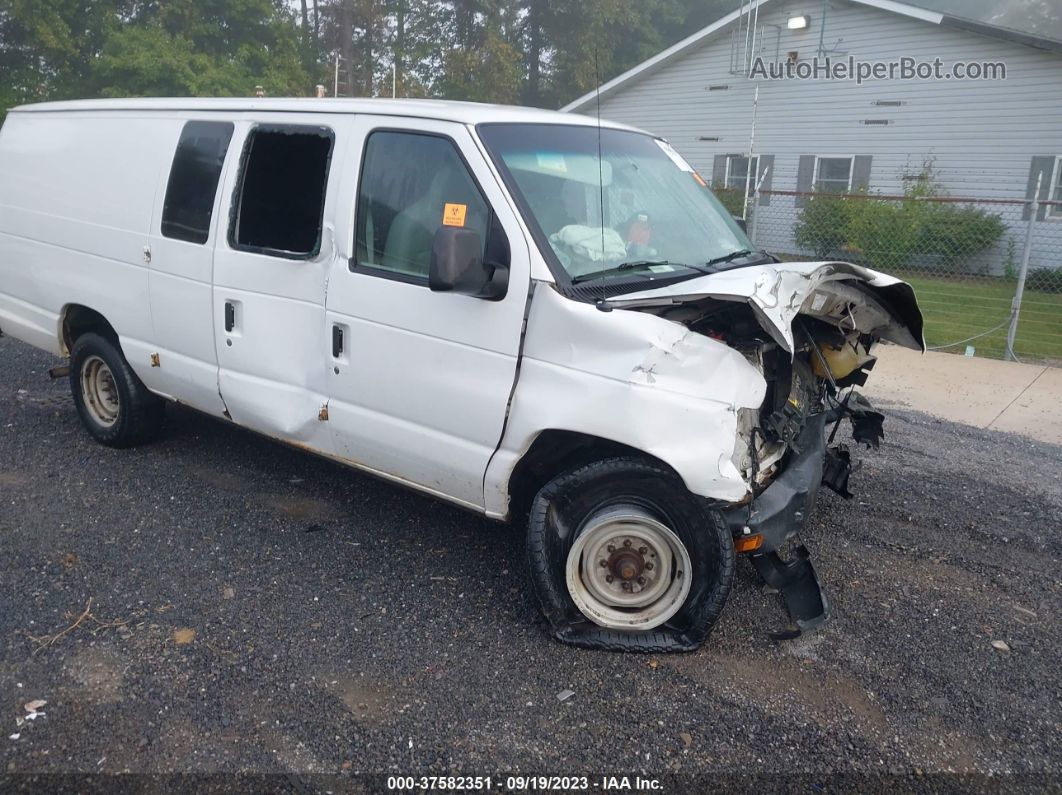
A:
679, 393
737, 382
816, 326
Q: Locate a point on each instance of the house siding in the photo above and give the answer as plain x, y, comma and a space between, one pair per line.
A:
981, 136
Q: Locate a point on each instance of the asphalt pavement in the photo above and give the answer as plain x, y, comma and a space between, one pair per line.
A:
218, 602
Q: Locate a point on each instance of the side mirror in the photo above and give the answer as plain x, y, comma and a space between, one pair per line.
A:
742, 223
458, 264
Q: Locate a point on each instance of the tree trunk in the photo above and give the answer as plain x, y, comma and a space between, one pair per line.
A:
346, 50
534, 51
400, 45
370, 43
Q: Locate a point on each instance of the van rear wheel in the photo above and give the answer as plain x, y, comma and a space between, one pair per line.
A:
623, 557
114, 405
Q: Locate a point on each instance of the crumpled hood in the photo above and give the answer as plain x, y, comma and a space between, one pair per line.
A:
779, 292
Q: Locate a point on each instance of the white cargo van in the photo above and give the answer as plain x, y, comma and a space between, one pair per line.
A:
519, 311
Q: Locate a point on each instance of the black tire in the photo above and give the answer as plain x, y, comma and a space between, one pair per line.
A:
139, 412
560, 512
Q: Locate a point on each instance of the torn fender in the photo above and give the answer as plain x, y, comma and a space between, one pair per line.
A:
632, 378
850, 296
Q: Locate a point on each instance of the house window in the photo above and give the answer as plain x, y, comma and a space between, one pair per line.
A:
410, 183
833, 174
1055, 210
737, 170
193, 182
280, 205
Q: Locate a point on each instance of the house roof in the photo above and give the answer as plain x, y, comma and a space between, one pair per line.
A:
691, 42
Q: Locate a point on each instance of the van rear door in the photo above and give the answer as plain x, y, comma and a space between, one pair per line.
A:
421, 380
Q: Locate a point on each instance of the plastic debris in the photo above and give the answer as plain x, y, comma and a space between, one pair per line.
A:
564, 695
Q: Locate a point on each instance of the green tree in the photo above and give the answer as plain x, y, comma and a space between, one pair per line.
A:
205, 47
48, 50
595, 40
481, 62
66, 49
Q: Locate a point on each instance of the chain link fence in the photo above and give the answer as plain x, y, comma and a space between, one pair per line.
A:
987, 272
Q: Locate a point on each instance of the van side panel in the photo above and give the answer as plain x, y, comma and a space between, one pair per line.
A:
76, 197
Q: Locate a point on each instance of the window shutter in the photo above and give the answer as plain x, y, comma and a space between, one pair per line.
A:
861, 173
805, 178
1045, 165
766, 162
719, 171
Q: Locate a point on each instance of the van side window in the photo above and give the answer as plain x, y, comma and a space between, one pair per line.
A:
281, 195
410, 182
193, 183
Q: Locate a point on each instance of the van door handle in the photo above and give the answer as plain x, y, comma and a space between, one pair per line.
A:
230, 316
337, 341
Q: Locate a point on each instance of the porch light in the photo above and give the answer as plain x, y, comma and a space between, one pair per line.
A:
799, 23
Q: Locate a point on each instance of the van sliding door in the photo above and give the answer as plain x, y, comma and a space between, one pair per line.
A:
270, 271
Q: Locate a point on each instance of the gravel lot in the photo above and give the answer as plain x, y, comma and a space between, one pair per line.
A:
342, 624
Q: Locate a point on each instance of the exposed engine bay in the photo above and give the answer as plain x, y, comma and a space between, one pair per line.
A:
817, 378
813, 352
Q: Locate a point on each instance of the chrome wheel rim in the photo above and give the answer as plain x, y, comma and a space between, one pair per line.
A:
627, 570
100, 391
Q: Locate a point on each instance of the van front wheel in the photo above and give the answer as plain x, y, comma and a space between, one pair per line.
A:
623, 557
114, 405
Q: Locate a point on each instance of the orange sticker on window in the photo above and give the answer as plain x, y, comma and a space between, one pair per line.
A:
700, 179
454, 214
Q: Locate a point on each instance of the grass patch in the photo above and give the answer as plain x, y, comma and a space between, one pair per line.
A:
955, 309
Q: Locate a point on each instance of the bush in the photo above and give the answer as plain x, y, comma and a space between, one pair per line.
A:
885, 233
1045, 280
730, 198
823, 225
890, 233
955, 233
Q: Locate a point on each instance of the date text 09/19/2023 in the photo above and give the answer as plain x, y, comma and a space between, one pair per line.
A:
523, 783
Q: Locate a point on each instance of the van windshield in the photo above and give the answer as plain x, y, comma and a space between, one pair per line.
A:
639, 208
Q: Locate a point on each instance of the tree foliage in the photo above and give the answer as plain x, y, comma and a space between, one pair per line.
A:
64, 49
539, 52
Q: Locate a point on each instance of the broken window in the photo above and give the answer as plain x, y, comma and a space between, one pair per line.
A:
411, 185
280, 209
193, 183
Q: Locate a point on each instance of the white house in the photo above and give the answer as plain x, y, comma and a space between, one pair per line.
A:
989, 138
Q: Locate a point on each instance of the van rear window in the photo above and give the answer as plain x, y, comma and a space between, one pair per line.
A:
193, 182
280, 209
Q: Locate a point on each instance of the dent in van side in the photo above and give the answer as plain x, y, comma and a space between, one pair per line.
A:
632, 378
